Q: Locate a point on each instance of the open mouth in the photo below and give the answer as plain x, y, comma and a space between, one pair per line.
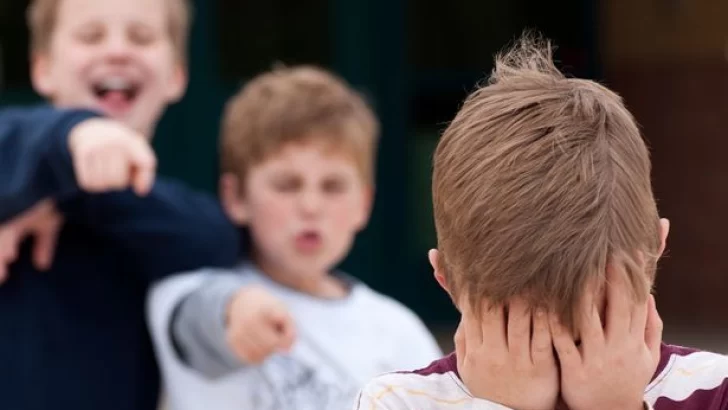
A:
308, 241
116, 92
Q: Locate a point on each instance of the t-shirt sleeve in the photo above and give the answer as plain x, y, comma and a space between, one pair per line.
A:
417, 346
198, 330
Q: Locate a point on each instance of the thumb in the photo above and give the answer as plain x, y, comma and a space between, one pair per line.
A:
653, 330
288, 335
143, 165
284, 327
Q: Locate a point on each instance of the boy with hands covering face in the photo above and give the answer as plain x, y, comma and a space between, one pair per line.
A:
529, 360
548, 240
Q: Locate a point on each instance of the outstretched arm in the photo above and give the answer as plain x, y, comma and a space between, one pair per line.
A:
226, 324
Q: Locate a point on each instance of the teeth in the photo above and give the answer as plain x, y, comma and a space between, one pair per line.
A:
116, 84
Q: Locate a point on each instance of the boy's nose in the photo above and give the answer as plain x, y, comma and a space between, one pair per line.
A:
310, 203
118, 48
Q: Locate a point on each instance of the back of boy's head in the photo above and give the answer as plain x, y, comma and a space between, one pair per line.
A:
539, 181
297, 105
42, 14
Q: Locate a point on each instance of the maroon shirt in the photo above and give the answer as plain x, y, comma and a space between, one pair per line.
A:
686, 379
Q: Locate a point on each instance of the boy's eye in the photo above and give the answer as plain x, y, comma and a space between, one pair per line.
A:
91, 35
141, 36
286, 185
334, 186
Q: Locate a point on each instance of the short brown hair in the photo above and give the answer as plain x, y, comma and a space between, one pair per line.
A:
294, 105
538, 182
42, 14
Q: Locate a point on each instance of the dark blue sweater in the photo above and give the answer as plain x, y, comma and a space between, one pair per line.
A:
75, 337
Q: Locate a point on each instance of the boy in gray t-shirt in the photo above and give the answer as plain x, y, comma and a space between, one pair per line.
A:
281, 331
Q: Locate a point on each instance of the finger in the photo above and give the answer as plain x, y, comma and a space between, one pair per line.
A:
473, 333
8, 253
45, 245
277, 318
95, 173
251, 352
41, 209
288, 338
9, 244
257, 349
639, 310
287, 333
106, 179
588, 321
493, 329
246, 348
268, 338
542, 352
638, 322
143, 167
143, 180
117, 172
563, 342
619, 302
519, 328
83, 175
460, 344
653, 329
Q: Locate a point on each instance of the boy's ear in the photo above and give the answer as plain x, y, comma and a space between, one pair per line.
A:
365, 208
434, 256
40, 74
664, 232
231, 196
177, 84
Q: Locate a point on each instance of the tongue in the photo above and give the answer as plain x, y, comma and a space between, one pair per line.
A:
115, 101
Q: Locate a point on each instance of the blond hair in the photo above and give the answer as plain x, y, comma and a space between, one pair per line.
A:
42, 15
296, 105
539, 182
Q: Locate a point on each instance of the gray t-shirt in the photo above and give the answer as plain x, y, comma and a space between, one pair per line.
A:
340, 344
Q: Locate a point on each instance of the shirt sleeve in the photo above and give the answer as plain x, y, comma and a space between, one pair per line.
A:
36, 163
198, 329
172, 229
416, 344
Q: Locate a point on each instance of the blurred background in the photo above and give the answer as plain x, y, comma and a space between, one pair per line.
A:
416, 60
